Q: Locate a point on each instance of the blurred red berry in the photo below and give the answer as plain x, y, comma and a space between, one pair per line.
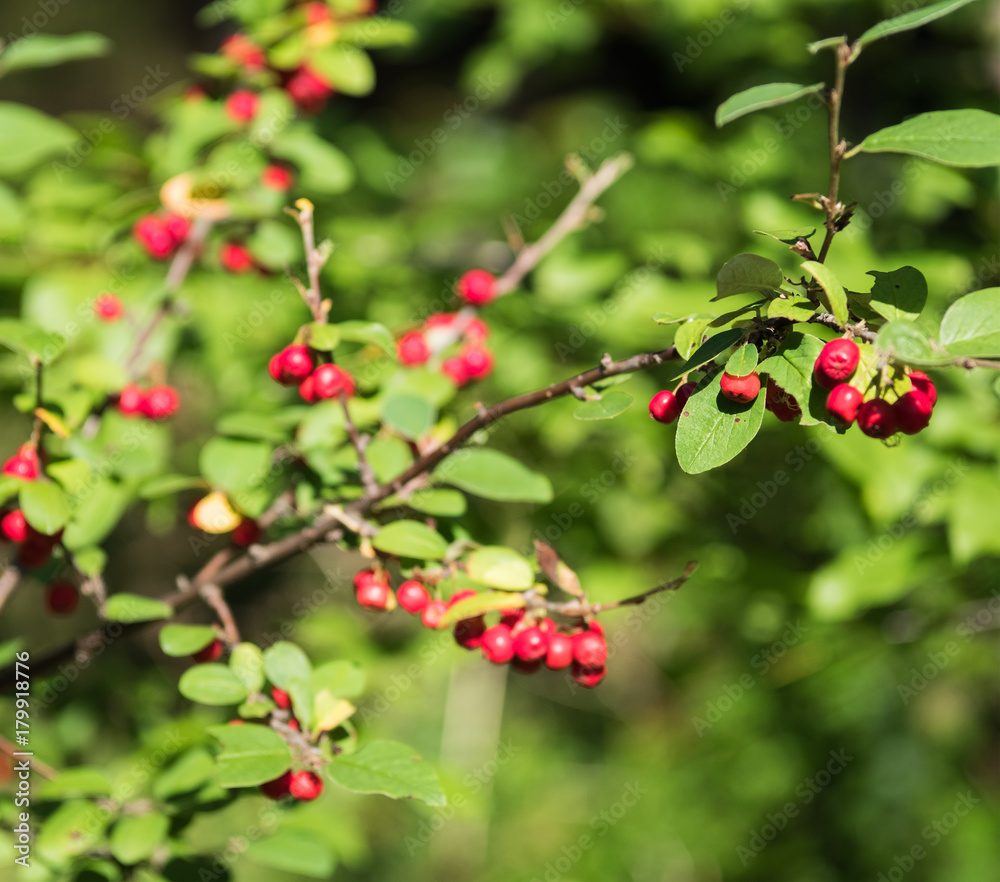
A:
235, 258
152, 234
913, 412
477, 287
412, 349
278, 788
246, 533
305, 786
497, 644
560, 652
61, 597
210, 653
277, 177
922, 383
241, 105
13, 526
308, 90
413, 596
478, 362
586, 676
433, 613
160, 403
108, 308
456, 371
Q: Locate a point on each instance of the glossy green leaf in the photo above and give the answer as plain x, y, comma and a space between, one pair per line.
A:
796, 309
971, 326
689, 335
411, 539
410, 415
791, 368
344, 679
608, 406
247, 662
500, 567
28, 339
45, 506
909, 343
389, 457
286, 664
368, 332
182, 640
490, 601
292, 850
192, 770
135, 837
348, 69
963, 138
98, 511
439, 502
747, 274
213, 684
760, 98
494, 475
377, 32
48, 50
743, 361
321, 336
28, 136
389, 768
909, 20
74, 828
898, 294
251, 754
709, 350
124, 607
832, 293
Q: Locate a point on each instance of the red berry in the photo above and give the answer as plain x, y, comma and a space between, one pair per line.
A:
877, 419
294, 725
836, 362
531, 644
497, 644
511, 617
131, 400
329, 381
61, 597
36, 548
277, 177
160, 403
13, 527
278, 787
469, 632
307, 389
477, 360
588, 677
589, 649
684, 393
413, 596
246, 533
412, 349
560, 653
244, 51
235, 258
209, 653
664, 406
440, 321
308, 90
913, 412
363, 578
455, 370
305, 785
296, 363
922, 383
375, 594
152, 234
316, 13
281, 698
178, 226
740, 389
476, 330
433, 613
236, 723
843, 402
108, 308
242, 105
21, 466
477, 287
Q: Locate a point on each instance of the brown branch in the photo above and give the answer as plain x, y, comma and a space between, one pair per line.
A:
837, 150
9, 580
315, 259
43, 769
858, 330
576, 215
212, 595
368, 479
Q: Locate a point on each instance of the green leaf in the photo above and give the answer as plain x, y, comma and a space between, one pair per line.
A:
168, 485
377, 32
24, 337
608, 406
825, 43
9, 487
44, 505
899, 294
798, 310
135, 837
294, 851
344, 679
28, 136
971, 326
74, 828
909, 343
178, 641
213, 684
247, 662
410, 415
285, 665
238, 467
710, 349
79, 781
275, 244
321, 336
438, 502
494, 475
191, 771
748, 274
500, 567
124, 607
791, 367
790, 236
833, 296
324, 168
908, 21
389, 768
669, 318
712, 430
743, 361
347, 68
251, 754
689, 335
760, 98
48, 50
411, 539
97, 513
963, 138
389, 457
368, 332
470, 607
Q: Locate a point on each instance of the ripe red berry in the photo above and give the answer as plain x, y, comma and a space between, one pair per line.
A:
246, 533
316, 13
329, 381
21, 466
235, 258
305, 785
277, 177
477, 360
684, 393
375, 594
160, 403
469, 632
922, 383
531, 644
152, 234
497, 644
588, 677
281, 698
741, 389
178, 227
440, 321
560, 654
308, 90
433, 613
307, 389
292, 365
236, 723
836, 362
130, 400
61, 597
477, 287
455, 370
664, 406
413, 596
108, 308
843, 402
913, 412
242, 105
13, 526
877, 419
241, 49
209, 653
278, 787
590, 649
412, 349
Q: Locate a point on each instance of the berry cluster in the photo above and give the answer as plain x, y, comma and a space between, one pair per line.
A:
160, 235
525, 641
34, 548
472, 361
296, 365
154, 403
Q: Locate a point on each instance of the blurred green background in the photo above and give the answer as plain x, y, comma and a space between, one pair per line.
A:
820, 701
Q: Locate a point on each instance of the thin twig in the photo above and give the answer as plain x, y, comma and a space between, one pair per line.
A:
9, 580
314, 260
43, 769
368, 479
837, 149
858, 330
575, 215
212, 595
